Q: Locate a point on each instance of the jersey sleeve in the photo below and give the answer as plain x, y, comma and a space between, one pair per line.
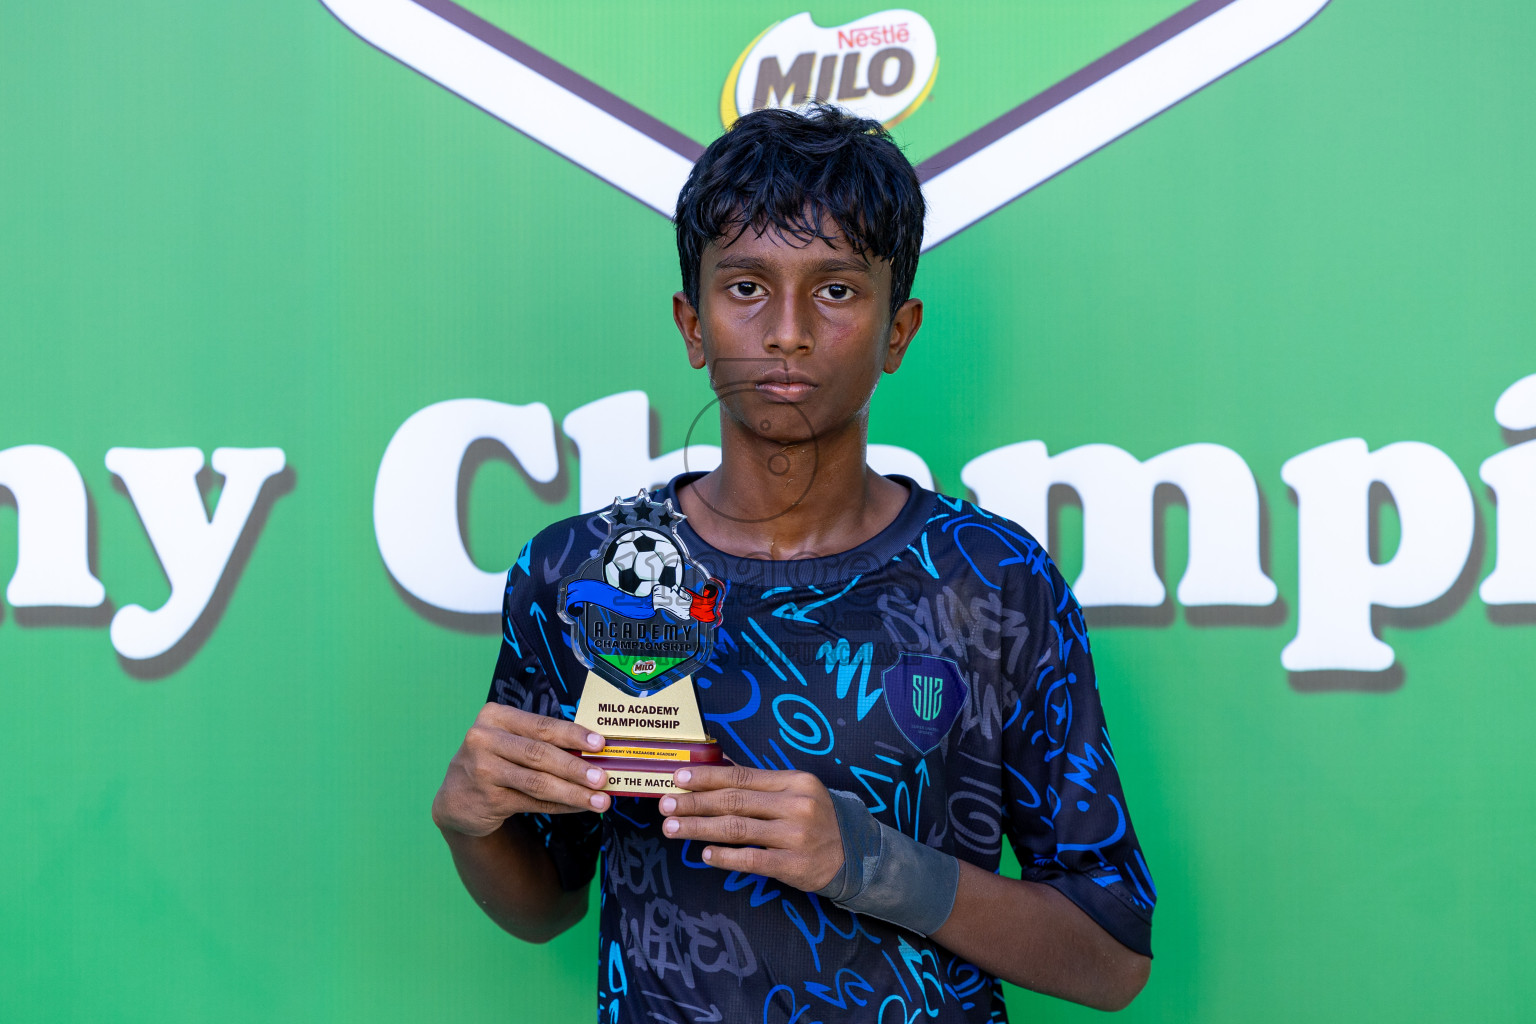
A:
1064, 809
522, 681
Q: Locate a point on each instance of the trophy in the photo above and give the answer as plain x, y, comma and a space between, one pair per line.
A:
642, 617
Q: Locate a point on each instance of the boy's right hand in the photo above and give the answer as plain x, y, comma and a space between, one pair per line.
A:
513, 762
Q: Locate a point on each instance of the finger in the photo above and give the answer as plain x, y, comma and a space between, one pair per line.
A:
748, 803
526, 804
506, 797
554, 731
730, 828
749, 860
549, 789
540, 807
733, 776
538, 755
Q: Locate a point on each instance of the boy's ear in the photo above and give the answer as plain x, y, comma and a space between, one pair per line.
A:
687, 320
903, 326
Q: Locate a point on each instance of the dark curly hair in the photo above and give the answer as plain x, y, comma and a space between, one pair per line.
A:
784, 169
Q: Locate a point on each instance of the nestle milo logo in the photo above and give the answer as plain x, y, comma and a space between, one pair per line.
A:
643, 667
880, 66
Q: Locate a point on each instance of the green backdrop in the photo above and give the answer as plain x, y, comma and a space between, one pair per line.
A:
239, 225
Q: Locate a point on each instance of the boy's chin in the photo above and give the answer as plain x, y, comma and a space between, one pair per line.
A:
785, 422
785, 436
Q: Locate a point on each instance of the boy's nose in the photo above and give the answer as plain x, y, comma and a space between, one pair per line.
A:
790, 330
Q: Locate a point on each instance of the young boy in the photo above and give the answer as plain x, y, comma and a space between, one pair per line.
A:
902, 679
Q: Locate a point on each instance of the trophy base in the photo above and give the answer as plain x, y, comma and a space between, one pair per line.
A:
645, 767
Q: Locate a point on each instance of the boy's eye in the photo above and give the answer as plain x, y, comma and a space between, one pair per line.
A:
837, 291
745, 289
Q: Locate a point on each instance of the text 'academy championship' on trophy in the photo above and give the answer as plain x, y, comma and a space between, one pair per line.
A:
642, 617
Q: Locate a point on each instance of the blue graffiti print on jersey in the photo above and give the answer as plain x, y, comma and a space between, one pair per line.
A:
942, 672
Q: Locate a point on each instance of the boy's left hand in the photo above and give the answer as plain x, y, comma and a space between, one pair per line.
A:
778, 823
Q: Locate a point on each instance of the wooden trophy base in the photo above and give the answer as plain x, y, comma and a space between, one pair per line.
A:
649, 738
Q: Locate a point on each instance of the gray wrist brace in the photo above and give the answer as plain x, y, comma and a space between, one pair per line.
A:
890, 875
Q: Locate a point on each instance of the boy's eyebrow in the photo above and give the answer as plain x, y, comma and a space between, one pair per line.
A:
830, 265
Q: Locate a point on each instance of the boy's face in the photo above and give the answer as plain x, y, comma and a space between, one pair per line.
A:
795, 336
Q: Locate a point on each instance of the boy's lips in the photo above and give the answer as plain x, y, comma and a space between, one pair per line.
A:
786, 387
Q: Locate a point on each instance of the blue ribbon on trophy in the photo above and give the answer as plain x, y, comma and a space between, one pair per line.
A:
679, 602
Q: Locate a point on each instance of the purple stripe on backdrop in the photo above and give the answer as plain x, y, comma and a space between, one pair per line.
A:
1069, 87
951, 155
564, 77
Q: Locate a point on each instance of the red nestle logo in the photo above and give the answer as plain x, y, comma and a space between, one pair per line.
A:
871, 35
640, 668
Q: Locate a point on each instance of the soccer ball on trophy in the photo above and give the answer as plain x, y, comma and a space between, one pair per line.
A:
641, 560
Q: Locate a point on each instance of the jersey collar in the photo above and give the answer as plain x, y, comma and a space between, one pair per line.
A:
812, 572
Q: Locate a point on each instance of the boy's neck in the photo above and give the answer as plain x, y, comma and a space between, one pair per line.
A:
804, 500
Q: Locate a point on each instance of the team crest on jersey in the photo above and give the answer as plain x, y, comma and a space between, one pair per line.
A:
924, 695
641, 614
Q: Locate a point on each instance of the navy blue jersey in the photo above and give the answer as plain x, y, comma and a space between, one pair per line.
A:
941, 672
